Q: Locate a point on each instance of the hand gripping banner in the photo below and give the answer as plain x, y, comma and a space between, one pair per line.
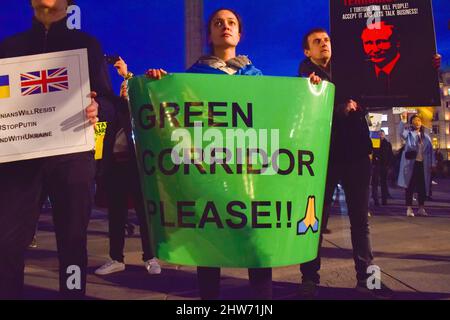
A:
233, 169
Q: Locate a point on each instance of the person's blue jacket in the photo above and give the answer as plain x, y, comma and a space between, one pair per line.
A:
407, 165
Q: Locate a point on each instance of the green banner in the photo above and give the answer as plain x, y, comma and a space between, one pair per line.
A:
233, 168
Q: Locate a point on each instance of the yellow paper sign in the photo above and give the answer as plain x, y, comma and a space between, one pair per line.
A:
376, 143
100, 131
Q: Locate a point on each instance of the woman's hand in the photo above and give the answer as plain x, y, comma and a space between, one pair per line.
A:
156, 74
122, 68
124, 90
404, 116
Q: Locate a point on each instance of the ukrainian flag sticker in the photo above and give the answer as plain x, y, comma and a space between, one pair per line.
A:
4, 86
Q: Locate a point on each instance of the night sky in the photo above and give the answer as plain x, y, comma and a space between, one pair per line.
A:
150, 33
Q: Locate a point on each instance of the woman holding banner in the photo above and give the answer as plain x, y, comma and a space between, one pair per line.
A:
224, 33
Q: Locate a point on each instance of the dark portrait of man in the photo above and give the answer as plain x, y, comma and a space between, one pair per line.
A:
382, 47
396, 72
381, 44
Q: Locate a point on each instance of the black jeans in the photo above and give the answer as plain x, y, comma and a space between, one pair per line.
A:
355, 178
68, 180
121, 181
417, 182
209, 282
379, 177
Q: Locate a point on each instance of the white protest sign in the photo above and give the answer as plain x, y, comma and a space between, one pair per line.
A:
42, 105
399, 110
376, 120
409, 110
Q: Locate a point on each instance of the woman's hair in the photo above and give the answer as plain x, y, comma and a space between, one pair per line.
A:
210, 20
413, 117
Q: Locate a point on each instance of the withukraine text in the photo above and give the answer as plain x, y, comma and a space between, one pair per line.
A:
26, 136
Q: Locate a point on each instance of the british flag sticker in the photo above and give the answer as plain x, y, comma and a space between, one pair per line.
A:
44, 81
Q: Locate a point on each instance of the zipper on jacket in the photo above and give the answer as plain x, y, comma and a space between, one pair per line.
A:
45, 41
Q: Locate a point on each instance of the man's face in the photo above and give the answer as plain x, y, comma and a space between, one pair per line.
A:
378, 44
319, 46
224, 30
382, 135
49, 4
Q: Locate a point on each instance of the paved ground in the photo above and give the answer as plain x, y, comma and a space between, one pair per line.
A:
413, 253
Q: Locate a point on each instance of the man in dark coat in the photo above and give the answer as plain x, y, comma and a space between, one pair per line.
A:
348, 164
68, 179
